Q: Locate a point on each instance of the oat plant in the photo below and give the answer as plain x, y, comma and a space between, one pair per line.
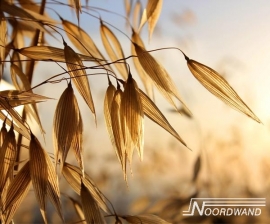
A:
126, 104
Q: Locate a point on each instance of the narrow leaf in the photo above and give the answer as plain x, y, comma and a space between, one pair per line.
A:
219, 87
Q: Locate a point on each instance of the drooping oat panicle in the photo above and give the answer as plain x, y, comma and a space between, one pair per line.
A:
146, 80
113, 48
158, 75
66, 124
219, 87
146, 219
73, 175
132, 118
90, 207
151, 111
3, 37
116, 121
47, 53
39, 173
151, 15
8, 155
78, 73
16, 192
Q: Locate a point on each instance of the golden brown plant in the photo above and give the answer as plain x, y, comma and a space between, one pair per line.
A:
125, 106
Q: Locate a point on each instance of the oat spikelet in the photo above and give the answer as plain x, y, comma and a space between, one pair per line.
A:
8, 154
44, 178
146, 80
76, 4
39, 173
132, 118
107, 113
151, 111
219, 87
90, 206
16, 192
73, 175
158, 75
83, 42
114, 53
78, 73
116, 121
47, 53
66, 125
151, 15
25, 85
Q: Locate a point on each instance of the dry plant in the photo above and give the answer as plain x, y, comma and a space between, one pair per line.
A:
125, 103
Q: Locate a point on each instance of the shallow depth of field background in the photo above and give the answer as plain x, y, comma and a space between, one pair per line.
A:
231, 37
